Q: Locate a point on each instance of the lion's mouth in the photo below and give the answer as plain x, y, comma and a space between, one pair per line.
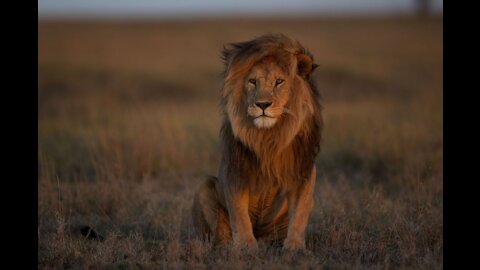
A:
264, 115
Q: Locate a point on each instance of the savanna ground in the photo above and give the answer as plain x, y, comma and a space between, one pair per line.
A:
128, 127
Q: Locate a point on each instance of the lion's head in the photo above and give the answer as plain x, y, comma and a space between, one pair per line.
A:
267, 94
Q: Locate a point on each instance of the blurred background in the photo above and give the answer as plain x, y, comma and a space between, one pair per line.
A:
129, 117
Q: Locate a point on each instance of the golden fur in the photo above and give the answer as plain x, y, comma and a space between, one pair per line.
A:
270, 138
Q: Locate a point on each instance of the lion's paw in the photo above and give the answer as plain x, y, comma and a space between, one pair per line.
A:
293, 244
248, 245
295, 251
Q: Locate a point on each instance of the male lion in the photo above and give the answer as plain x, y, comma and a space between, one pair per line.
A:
269, 138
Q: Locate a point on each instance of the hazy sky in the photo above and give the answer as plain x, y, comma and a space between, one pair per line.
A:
176, 8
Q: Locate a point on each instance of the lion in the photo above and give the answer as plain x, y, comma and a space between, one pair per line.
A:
270, 138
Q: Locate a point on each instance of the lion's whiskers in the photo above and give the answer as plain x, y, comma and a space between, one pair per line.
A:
289, 112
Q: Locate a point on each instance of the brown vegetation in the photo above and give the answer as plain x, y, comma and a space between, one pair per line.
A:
129, 121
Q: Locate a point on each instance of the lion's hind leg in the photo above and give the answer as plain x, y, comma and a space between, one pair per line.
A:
209, 217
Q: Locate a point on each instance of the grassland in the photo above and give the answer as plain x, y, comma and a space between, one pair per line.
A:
128, 126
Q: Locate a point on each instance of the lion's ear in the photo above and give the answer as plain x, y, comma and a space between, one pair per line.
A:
305, 65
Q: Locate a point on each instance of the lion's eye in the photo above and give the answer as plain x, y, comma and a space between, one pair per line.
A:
252, 81
279, 81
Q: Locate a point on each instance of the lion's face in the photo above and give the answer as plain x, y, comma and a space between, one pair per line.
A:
267, 95
267, 88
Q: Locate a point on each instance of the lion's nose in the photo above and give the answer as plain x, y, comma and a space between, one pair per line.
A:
263, 105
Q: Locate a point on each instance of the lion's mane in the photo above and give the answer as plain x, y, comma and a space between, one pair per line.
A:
284, 154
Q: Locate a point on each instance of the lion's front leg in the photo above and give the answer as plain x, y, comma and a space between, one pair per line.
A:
241, 226
300, 207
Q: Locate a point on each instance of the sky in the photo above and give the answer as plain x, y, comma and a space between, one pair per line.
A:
182, 8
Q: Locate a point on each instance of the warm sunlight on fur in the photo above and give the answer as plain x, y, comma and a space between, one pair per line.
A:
270, 137
268, 87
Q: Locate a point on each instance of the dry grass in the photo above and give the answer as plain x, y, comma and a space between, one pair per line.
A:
128, 127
